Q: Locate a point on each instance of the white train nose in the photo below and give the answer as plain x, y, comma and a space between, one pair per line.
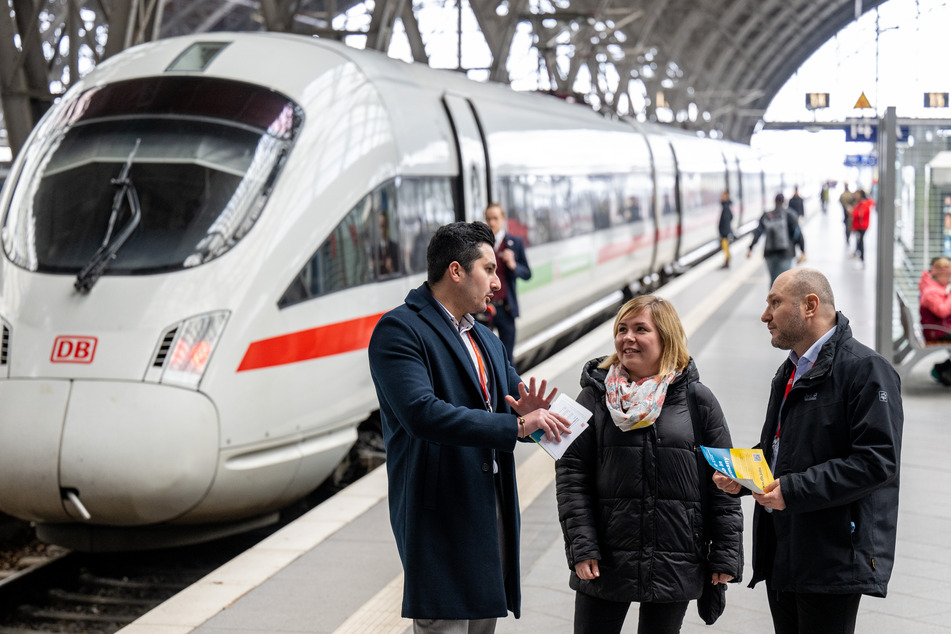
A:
133, 453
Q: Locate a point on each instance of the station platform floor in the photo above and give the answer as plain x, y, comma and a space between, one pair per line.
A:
336, 569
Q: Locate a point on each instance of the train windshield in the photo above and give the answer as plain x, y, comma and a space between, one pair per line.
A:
202, 155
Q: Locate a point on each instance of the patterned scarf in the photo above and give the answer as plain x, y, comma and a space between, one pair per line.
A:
635, 405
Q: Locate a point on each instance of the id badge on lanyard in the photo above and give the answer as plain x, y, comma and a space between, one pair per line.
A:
779, 423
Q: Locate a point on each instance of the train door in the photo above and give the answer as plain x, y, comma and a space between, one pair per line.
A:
472, 187
678, 203
665, 203
736, 186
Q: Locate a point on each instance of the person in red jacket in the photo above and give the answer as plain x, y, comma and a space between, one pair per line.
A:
861, 211
935, 310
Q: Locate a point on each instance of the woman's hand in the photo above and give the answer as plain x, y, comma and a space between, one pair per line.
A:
721, 577
725, 484
587, 569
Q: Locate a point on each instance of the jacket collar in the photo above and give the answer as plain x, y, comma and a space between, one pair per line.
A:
823, 364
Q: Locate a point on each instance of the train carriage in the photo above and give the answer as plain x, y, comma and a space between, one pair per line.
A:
201, 234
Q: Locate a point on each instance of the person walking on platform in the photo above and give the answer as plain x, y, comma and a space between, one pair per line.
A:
935, 311
796, 203
846, 200
452, 408
861, 212
781, 228
824, 530
630, 490
726, 227
513, 265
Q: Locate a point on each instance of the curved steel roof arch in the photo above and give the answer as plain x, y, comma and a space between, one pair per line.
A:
708, 65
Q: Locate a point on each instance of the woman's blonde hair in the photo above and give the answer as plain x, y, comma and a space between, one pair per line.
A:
671, 331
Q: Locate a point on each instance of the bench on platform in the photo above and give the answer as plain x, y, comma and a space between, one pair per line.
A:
912, 347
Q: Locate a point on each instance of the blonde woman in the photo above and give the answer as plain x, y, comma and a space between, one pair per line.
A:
629, 488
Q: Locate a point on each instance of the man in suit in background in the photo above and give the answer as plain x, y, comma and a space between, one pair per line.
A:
450, 418
513, 265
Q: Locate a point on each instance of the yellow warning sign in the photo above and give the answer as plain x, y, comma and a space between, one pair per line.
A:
862, 102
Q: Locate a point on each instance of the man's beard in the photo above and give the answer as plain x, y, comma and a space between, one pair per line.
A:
789, 336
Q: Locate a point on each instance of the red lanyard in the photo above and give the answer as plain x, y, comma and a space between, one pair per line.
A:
483, 377
792, 377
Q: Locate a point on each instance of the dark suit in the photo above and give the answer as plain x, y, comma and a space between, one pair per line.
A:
440, 441
507, 310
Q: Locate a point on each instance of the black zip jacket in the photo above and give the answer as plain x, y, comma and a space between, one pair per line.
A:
838, 463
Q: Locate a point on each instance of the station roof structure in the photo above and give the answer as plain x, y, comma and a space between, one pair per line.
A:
707, 65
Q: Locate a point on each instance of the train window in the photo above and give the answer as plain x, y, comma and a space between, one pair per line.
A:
387, 256
515, 197
580, 204
384, 236
425, 204
603, 200
540, 229
199, 176
637, 189
561, 211
543, 209
342, 261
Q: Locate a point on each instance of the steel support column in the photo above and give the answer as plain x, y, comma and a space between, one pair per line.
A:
885, 207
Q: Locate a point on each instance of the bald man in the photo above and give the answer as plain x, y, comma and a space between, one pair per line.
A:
824, 530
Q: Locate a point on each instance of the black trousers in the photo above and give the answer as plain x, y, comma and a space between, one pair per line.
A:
860, 243
599, 616
808, 613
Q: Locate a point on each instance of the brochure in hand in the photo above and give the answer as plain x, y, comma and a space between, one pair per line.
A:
578, 417
746, 466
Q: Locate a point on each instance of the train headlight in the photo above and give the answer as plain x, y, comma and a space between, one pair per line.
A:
192, 348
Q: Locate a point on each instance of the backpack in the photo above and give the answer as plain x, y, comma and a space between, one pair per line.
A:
776, 230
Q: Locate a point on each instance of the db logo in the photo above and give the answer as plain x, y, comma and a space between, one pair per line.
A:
73, 350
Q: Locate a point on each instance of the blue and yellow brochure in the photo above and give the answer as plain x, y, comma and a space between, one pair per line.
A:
746, 466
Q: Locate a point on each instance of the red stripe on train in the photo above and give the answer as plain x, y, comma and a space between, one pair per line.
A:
324, 341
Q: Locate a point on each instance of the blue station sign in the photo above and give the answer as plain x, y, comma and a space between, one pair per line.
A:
868, 132
860, 160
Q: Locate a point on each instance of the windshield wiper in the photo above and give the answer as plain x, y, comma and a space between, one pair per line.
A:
106, 253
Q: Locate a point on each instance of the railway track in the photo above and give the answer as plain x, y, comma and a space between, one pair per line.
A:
100, 594
50, 589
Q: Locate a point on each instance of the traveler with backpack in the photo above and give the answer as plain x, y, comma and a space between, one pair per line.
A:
781, 228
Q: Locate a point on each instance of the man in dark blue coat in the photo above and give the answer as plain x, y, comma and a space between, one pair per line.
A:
824, 530
513, 266
447, 395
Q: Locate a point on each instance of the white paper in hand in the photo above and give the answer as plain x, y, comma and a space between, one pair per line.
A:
577, 416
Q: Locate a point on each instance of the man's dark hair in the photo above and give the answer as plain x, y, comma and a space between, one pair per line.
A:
456, 242
780, 199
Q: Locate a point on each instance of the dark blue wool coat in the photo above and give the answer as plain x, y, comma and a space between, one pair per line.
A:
440, 440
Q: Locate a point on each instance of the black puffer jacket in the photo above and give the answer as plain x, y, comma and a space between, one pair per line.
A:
631, 499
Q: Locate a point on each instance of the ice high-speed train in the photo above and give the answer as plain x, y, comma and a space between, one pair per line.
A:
198, 240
